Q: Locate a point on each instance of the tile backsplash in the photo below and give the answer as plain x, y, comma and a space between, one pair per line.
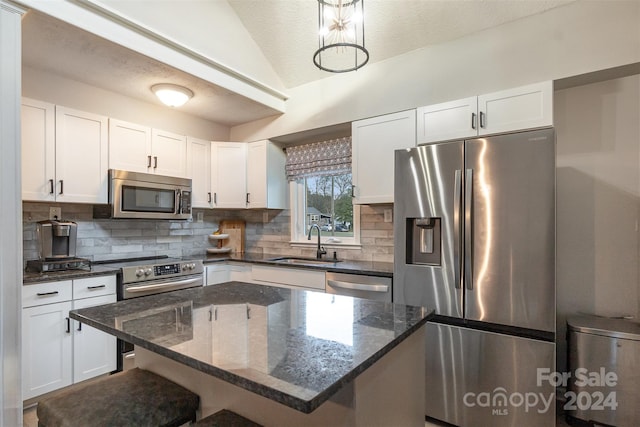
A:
100, 239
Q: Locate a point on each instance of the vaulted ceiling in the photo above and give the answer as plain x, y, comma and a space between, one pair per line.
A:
285, 31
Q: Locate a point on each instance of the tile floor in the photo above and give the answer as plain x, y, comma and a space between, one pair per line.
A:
30, 420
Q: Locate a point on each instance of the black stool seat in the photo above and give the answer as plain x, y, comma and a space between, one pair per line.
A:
133, 398
226, 418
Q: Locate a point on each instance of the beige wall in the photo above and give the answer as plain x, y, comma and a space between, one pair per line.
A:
598, 192
45, 86
581, 37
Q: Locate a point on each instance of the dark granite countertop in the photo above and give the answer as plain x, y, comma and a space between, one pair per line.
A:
295, 347
30, 278
371, 268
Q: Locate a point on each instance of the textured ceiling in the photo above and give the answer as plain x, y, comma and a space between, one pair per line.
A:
285, 30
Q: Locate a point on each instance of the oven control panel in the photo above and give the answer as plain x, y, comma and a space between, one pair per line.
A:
142, 273
163, 270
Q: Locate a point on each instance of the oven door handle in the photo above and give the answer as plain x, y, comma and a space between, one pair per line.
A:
144, 288
357, 286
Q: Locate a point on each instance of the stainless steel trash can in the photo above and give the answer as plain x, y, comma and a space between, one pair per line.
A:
604, 364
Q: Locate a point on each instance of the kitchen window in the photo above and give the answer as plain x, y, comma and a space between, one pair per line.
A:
321, 189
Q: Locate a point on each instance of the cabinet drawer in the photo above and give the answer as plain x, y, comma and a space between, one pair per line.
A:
94, 287
46, 293
289, 276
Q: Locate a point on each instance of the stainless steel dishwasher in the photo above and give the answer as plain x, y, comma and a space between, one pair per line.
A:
359, 286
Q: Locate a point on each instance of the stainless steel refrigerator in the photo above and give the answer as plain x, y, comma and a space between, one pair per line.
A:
474, 230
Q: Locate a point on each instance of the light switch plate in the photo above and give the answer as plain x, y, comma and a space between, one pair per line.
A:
55, 213
388, 215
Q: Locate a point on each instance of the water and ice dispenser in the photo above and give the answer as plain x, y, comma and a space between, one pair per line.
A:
424, 243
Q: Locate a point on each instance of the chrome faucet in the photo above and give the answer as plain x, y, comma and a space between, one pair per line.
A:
320, 251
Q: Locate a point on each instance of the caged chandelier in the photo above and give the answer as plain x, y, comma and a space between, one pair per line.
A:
340, 36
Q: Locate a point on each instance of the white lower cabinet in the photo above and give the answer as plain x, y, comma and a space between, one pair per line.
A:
218, 273
56, 351
94, 352
297, 278
47, 346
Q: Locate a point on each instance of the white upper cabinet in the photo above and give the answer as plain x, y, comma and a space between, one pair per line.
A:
520, 108
266, 179
229, 174
64, 154
137, 148
374, 143
199, 170
448, 120
169, 153
509, 110
129, 146
38, 150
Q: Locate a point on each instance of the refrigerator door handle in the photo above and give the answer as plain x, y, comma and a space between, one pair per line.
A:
457, 222
468, 230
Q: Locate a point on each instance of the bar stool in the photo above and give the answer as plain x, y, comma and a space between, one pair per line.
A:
226, 418
133, 398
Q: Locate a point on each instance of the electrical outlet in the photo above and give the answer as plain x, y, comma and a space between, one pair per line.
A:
388, 215
55, 213
199, 216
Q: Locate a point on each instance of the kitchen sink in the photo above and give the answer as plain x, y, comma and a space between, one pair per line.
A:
304, 261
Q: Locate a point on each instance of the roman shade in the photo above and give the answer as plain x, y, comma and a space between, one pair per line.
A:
331, 157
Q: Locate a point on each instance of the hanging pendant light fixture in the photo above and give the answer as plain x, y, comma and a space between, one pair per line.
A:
340, 36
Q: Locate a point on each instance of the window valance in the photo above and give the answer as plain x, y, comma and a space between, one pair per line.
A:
331, 157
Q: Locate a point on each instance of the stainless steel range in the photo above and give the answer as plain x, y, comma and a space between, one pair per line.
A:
147, 277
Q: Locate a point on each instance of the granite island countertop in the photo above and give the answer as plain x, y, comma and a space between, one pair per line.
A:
294, 347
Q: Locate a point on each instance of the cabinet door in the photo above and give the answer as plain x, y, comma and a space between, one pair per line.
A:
217, 274
266, 179
38, 150
520, 108
46, 349
374, 142
81, 156
169, 153
94, 351
129, 146
199, 170
448, 120
229, 175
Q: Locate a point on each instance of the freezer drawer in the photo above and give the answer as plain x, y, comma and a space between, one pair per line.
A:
478, 378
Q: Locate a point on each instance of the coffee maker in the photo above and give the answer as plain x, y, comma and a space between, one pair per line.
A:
56, 239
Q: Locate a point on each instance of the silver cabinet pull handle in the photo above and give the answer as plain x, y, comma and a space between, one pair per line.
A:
155, 162
482, 120
457, 219
215, 198
357, 286
93, 288
468, 230
473, 120
61, 187
148, 161
209, 197
51, 190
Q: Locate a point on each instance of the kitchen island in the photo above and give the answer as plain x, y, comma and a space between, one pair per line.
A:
279, 356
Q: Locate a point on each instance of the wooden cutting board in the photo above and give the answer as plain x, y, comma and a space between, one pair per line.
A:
235, 229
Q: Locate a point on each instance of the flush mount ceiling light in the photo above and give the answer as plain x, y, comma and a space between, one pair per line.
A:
172, 95
340, 36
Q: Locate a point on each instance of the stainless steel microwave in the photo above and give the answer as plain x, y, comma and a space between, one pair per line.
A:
146, 196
